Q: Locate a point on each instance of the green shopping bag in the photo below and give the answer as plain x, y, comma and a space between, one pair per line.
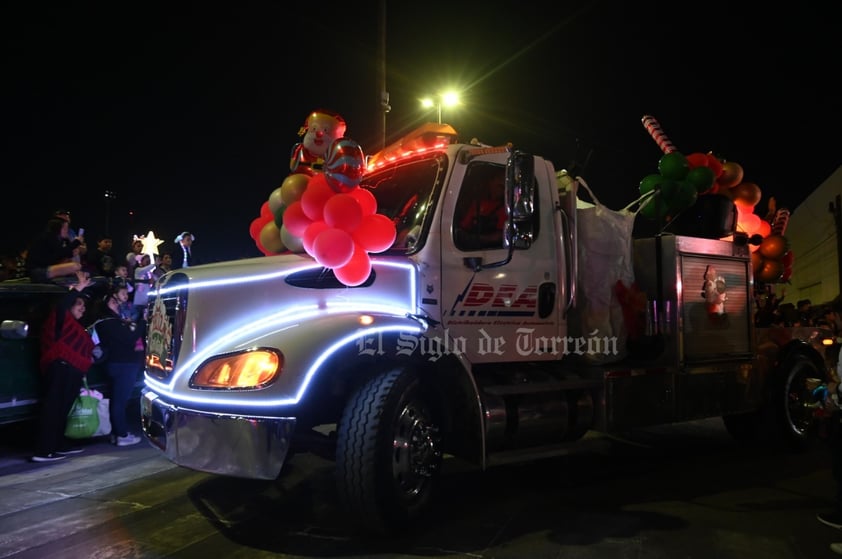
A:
83, 419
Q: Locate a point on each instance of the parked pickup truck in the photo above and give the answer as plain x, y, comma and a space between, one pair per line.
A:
23, 308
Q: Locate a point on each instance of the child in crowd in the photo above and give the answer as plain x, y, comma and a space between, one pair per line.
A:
144, 277
121, 277
124, 305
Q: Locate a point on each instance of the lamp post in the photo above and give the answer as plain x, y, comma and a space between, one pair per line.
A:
109, 195
381, 74
446, 99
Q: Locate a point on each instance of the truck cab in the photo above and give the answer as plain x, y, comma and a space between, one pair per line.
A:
458, 343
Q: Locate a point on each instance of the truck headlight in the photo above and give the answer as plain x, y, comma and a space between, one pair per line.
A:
248, 369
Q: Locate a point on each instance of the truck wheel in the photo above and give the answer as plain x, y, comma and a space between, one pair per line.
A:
792, 403
388, 453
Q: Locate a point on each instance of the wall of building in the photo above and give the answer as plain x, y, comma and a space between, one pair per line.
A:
812, 233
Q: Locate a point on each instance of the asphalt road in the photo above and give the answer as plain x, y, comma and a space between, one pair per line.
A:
685, 491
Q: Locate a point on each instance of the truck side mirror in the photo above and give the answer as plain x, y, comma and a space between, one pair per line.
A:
520, 195
521, 182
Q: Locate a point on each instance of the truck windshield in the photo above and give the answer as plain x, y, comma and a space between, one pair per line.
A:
406, 193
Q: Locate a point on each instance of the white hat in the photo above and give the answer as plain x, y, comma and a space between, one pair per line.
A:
184, 234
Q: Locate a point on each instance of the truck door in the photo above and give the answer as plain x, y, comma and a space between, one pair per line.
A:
509, 312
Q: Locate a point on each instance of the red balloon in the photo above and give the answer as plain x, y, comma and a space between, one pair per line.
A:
294, 219
357, 270
333, 248
715, 164
376, 233
748, 222
366, 199
787, 259
343, 211
771, 271
266, 210
787, 274
697, 160
757, 262
315, 195
310, 235
262, 248
256, 226
774, 247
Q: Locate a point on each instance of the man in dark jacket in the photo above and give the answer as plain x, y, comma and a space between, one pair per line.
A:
100, 262
124, 364
183, 257
52, 256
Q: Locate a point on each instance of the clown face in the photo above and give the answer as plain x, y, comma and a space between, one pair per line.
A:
322, 130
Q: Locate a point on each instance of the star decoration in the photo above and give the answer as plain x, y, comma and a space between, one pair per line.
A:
150, 244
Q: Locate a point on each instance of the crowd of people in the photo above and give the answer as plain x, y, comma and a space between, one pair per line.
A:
59, 251
771, 310
108, 292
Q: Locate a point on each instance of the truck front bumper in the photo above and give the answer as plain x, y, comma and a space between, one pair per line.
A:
253, 447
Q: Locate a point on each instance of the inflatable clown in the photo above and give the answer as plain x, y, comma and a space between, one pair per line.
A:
321, 128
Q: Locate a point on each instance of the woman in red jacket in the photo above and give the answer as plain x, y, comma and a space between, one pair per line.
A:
66, 356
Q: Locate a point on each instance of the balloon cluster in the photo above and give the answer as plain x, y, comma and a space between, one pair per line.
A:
320, 208
772, 260
682, 179
678, 183
771, 256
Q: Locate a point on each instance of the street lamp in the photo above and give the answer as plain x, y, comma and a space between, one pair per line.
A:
109, 195
446, 99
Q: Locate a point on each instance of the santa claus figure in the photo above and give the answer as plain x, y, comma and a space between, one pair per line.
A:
713, 290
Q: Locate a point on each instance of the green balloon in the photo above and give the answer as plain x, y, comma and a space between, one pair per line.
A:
650, 183
701, 178
668, 189
674, 166
653, 207
685, 196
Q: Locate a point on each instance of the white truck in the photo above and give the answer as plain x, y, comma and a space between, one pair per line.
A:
453, 348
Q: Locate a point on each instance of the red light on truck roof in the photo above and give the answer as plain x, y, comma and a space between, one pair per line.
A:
427, 137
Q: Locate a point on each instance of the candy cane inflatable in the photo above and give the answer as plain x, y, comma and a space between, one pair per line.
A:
657, 133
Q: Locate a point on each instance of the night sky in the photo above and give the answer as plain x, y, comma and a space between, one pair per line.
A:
188, 112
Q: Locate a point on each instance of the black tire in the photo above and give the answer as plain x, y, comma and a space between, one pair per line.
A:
792, 404
388, 453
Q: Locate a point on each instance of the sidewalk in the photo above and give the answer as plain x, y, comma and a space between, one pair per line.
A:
17, 446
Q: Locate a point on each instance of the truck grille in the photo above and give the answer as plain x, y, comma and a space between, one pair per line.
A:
173, 293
